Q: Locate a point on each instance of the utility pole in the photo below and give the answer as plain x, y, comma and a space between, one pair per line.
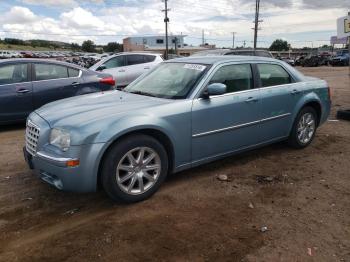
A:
256, 22
166, 21
203, 41
349, 44
233, 39
175, 40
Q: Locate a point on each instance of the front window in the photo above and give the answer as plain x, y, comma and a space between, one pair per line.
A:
114, 62
169, 80
235, 77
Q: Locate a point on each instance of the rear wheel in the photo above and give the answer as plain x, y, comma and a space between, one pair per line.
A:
134, 168
304, 128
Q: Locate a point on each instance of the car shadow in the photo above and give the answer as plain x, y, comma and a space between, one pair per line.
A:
230, 161
12, 127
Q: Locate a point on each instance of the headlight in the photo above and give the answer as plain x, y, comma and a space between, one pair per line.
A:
60, 138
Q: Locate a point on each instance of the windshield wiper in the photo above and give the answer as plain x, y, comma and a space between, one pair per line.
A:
142, 93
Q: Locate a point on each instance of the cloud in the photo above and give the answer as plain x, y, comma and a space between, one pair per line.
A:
65, 3
323, 4
72, 19
18, 14
81, 19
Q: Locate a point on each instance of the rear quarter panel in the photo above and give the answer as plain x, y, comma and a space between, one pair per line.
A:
314, 90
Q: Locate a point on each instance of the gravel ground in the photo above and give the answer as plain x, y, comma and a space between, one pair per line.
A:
279, 204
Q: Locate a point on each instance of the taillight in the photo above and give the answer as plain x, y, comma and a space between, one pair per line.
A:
108, 81
330, 94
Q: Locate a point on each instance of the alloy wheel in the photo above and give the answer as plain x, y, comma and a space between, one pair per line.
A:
138, 170
306, 128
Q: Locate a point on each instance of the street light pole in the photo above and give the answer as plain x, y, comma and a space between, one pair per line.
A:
233, 39
166, 21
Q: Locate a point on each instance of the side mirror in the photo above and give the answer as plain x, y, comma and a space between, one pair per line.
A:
101, 67
214, 90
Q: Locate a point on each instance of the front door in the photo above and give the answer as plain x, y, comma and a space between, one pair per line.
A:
229, 122
15, 92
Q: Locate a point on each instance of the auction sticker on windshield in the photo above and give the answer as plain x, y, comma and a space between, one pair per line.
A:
195, 67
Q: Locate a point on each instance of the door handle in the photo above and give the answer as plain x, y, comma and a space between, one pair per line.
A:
75, 83
121, 70
251, 100
22, 91
147, 67
295, 92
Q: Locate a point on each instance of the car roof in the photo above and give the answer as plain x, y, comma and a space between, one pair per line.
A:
210, 60
38, 60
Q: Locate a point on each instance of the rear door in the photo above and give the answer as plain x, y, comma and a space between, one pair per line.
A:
279, 95
150, 61
136, 66
52, 82
15, 92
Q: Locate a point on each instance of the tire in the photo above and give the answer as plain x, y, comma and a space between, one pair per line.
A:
343, 114
122, 163
303, 132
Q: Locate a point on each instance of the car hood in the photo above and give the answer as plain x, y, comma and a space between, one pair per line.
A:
84, 109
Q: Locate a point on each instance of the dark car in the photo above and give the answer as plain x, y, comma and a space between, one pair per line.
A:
243, 52
315, 60
341, 59
27, 84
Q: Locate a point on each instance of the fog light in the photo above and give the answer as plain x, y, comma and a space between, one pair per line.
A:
73, 163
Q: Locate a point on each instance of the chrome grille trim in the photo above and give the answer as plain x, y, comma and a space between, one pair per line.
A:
32, 137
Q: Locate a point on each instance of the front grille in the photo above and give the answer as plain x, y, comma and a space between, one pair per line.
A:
32, 136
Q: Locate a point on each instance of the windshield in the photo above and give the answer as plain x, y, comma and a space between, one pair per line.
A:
169, 80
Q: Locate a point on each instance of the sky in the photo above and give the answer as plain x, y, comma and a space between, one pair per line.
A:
300, 22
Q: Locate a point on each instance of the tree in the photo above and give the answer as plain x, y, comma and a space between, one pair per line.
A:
279, 45
88, 46
113, 47
74, 46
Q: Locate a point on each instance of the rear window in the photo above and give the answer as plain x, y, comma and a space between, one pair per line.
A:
149, 58
15, 73
72, 72
273, 75
135, 59
50, 71
263, 54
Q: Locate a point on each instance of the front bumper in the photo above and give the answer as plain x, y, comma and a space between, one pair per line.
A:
53, 169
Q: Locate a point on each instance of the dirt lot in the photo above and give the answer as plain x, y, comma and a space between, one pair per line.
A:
302, 197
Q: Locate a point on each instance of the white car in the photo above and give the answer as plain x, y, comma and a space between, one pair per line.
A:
126, 67
9, 54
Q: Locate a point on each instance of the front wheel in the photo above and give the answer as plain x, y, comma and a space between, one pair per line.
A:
134, 168
304, 128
